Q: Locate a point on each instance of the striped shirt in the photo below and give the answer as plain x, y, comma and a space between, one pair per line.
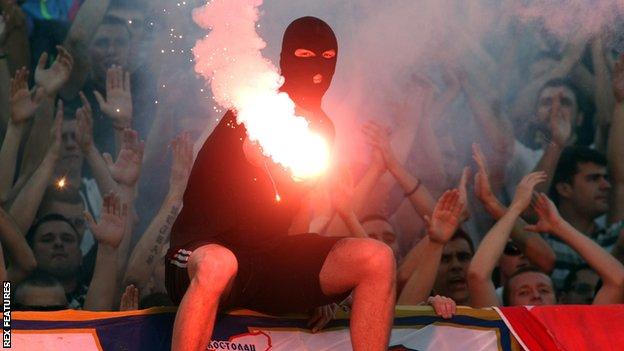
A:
568, 259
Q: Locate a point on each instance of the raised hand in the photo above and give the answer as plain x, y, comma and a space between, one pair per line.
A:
109, 230
125, 170
379, 138
23, 102
463, 192
483, 188
524, 190
549, 217
560, 123
618, 79
182, 150
129, 299
52, 79
446, 217
118, 103
84, 124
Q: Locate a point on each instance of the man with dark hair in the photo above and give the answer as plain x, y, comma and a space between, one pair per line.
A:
582, 191
557, 115
56, 245
230, 245
451, 279
40, 292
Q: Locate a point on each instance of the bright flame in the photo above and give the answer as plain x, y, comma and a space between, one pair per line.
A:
61, 183
241, 79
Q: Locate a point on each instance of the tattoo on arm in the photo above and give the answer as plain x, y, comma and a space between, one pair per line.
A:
163, 232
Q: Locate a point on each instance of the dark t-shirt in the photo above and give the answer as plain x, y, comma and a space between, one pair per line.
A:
232, 202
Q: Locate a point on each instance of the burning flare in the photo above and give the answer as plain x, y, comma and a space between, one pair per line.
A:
241, 79
61, 183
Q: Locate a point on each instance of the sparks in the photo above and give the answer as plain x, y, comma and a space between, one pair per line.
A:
61, 183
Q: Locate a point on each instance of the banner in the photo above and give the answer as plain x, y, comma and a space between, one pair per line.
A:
566, 327
415, 328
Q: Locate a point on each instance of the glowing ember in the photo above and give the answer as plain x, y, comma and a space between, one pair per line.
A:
241, 79
61, 183
278, 198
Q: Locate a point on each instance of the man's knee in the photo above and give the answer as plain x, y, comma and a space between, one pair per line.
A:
212, 266
372, 257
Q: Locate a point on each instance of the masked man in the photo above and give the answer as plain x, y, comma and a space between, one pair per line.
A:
230, 245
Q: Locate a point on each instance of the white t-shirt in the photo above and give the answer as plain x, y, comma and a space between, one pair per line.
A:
523, 161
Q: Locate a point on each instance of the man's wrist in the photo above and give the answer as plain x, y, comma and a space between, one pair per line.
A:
515, 209
434, 241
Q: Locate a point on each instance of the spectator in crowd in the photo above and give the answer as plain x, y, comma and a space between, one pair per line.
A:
40, 292
579, 287
530, 286
524, 248
582, 190
56, 245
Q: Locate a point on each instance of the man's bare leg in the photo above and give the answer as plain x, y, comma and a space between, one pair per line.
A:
368, 267
211, 270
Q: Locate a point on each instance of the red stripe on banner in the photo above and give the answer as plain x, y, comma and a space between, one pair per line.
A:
533, 334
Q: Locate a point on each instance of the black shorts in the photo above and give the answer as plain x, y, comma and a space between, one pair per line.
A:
284, 278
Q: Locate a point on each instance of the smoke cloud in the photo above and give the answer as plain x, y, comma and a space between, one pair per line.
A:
242, 80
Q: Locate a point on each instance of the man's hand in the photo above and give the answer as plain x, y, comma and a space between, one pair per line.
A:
618, 79
53, 78
444, 307
321, 316
524, 190
118, 103
483, 188
109, 230
549, 218
445, 218
130, 299
182, 150
84, 124
125, 171
379, 138
23, 102
463, 192
560, 123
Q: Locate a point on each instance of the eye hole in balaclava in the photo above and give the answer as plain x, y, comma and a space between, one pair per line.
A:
308, 59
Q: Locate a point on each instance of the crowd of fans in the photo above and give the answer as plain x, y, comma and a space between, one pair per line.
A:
87, 205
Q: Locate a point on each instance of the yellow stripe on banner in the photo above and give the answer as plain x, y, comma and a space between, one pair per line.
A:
91, 331
78, 315
410, 311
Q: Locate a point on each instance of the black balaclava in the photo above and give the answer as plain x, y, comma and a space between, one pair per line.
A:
315, 35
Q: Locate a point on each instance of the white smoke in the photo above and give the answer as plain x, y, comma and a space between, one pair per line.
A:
243, 80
